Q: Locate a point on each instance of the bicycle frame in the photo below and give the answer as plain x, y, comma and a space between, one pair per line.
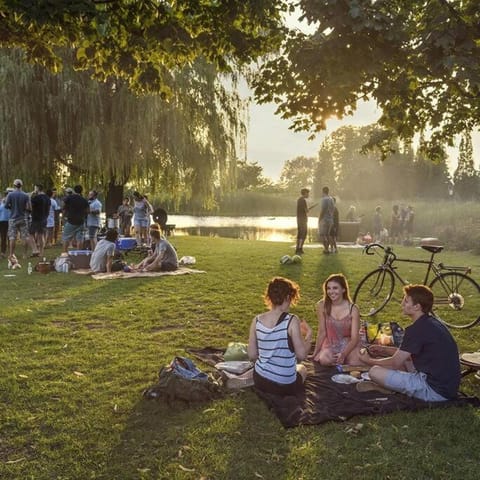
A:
389, 258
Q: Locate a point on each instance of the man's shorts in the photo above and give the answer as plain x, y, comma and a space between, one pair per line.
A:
93, 232
302, 230
18, 226
412, 384
72, 231
325, 227
38, 226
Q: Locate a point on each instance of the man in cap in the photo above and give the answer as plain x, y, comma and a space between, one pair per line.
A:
18, 202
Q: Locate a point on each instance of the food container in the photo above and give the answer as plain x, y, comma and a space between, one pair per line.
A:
80, 258
44, 267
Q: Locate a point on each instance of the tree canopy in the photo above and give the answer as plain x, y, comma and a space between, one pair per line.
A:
418, 59
141, 41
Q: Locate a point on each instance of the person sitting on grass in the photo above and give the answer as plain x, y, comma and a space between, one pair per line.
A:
338, 339
426, 365
163, 258
278, 340
102, 257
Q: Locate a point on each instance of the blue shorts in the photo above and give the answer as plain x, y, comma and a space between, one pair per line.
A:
325, 228
412, 384
141, 223
93, 232
72, 231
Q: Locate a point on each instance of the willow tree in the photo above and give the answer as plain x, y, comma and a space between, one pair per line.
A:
103, 135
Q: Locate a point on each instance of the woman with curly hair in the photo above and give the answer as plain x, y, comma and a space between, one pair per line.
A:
278, 339
338, 339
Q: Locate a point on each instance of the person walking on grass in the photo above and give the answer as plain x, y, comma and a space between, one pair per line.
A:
426, 365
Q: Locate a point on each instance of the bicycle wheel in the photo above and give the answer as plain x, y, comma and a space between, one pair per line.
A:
456, 300
374, 291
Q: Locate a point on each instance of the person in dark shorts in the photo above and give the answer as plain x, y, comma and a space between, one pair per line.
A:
277, 340
75, 210
302, 219
40, 202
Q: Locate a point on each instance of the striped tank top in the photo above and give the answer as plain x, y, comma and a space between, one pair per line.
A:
276, 361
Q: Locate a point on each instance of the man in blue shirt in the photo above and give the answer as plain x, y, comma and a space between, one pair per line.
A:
426, 366
18, 202
93, 218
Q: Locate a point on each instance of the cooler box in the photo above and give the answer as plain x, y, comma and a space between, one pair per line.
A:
80, 258
126, 243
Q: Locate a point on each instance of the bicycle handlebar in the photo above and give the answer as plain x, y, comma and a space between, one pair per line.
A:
367, 248
388, 250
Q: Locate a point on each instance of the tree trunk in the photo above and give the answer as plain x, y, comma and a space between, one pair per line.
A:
113, 198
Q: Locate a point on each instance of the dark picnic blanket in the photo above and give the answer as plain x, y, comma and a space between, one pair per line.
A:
324, 400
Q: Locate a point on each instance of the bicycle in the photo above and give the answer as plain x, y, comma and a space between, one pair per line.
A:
456, 294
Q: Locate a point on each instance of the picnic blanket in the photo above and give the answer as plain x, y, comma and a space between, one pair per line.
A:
115, 275
324, 400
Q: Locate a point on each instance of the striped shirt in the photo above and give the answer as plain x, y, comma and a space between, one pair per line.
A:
276, 361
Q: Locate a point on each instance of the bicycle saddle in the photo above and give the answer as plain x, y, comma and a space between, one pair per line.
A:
432, 248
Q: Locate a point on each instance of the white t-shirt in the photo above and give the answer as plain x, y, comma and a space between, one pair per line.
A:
103, 250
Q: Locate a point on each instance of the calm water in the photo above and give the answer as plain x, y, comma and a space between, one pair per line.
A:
273, 229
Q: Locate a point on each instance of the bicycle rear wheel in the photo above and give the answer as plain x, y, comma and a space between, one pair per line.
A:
374, 291
456, 300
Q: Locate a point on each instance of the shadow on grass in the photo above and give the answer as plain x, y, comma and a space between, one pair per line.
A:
226, 438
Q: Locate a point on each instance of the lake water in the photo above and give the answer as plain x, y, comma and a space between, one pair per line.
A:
273, 229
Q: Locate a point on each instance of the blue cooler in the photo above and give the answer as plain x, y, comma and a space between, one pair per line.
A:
80, 258
126, 243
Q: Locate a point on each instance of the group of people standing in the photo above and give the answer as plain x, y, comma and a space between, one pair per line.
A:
34, 218
425, 366
400, 227
328, 221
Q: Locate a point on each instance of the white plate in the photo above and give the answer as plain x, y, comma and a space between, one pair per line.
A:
344, 378
365, 376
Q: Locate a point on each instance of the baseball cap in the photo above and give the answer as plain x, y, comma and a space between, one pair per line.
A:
69, 190
17, 182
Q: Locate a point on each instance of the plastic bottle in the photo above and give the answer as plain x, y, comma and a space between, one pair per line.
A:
29, 268
65, 267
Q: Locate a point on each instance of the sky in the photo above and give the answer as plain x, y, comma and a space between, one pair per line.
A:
270, 143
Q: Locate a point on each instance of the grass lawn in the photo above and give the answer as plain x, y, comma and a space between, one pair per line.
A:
76, 354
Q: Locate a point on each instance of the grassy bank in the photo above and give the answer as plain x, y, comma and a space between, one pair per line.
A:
76, 354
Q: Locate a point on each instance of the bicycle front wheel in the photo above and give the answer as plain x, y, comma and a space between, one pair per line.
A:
374, 291
456, 300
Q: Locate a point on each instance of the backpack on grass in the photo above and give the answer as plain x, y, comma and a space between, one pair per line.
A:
182, 380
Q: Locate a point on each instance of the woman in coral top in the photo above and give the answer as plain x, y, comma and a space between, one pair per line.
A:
338, 340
